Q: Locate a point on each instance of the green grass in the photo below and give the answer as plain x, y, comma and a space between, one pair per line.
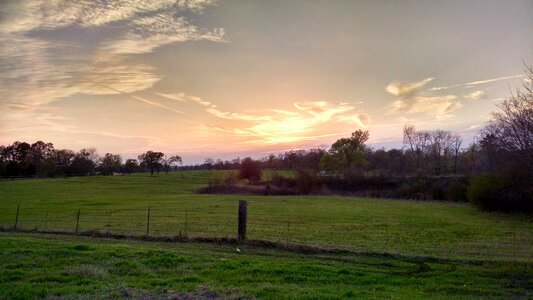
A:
119, 204
39, 266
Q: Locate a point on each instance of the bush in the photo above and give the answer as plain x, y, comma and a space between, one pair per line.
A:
251, 170
458, 191
486, 191
305, 181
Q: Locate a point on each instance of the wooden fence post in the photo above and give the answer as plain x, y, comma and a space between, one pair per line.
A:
241, 230
288, 229
78, 221
186, 220
46, 221
17, 217
148, 223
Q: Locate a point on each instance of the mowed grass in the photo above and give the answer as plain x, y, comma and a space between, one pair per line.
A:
119, 204
51, 266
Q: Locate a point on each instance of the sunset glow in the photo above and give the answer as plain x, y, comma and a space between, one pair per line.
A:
209, 78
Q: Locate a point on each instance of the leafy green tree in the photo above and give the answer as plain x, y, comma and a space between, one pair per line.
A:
131, 165
110, 163
347, 155
84, 162
152, 160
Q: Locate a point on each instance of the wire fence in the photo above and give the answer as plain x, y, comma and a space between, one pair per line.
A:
376, 235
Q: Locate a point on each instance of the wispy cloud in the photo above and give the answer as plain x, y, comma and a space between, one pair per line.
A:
145, 34
411, 98
474, 83
306, 121
404, 89
181, 97
476, 95
34, 68
159, 105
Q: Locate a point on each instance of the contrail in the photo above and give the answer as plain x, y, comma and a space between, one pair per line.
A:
469, 84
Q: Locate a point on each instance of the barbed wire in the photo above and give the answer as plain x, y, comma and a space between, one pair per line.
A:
381, 234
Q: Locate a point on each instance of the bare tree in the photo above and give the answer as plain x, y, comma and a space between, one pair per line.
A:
171, 160
456, 146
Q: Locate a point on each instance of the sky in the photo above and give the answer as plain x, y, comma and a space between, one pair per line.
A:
207, 78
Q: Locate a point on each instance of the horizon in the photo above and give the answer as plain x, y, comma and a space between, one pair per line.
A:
233, 79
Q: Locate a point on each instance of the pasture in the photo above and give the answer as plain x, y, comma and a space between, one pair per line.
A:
395, 248
41, 266
119, 204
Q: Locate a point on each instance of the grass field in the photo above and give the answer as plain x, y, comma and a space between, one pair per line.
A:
37, 266
119, 204
399, 249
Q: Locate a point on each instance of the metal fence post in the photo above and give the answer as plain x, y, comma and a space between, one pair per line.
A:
241, 230
148, 223
17, 218
78, 221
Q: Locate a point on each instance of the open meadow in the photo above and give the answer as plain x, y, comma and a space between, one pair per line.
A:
120, 204
394, 248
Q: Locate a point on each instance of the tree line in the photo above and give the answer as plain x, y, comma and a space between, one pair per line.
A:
41, 159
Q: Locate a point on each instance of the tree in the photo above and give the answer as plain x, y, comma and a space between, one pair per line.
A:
131, 165
514, 121
507, 144
440, 147
417, 142
250, 170
152, 160
171, 160
347, 154
209, 162
456, 146
63, 158
110, 163
84, 162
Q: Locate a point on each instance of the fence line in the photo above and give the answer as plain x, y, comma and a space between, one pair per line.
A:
443, 239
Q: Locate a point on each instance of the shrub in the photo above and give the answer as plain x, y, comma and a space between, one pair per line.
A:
486, 191
458, 191
305, 181
250, 170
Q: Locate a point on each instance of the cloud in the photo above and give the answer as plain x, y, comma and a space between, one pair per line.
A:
144, 34
196, 6
476, 95
308, 120
31, 71
23, 16
152, 103
181, 97
474, 83
40, 70
411, 98
406, 89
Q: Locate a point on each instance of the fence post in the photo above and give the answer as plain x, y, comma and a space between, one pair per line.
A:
185, 223
109, 221
46, 221
241, 230
288, 229
148, 223
386, 234
514, 244
17, 218
78, 221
